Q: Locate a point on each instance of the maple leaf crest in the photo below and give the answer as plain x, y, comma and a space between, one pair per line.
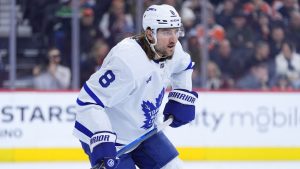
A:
150, 110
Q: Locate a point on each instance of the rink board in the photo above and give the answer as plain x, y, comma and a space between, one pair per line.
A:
37, 126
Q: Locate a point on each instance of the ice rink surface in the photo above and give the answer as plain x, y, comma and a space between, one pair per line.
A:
188, 165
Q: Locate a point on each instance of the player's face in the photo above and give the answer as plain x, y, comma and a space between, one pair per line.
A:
166, 41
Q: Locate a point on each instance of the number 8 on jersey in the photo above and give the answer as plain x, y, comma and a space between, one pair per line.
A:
107, 78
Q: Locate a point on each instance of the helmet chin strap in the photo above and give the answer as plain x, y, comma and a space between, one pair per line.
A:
157, 56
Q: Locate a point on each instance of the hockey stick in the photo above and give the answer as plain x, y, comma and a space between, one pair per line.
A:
131, 146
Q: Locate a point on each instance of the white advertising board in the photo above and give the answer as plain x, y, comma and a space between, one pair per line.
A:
246, 119
46, 119
37, 119
228, 126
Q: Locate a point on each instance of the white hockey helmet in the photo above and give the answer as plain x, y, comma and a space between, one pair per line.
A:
161, 16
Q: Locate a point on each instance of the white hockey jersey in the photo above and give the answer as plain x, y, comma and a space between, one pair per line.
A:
125, 94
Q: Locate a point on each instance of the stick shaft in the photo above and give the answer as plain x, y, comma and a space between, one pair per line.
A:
144, 137
138, 141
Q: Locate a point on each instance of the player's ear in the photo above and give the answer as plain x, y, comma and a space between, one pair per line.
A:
149, 34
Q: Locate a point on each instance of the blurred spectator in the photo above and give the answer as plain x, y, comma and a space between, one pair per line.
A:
281, 82
287, 7
261, 55
216, 32
213, 77
196, 6
148, 3
240, 34
57, 27
227, 60
37, 11
257, 79
188, 19
88, 31
55, 76
94, 60
175, 3
293, 29
100, 8
288, 63
188, 22
194, 49
55, 14
225, 13
277, 39
227, 82
116, 24
263, 28
257, 7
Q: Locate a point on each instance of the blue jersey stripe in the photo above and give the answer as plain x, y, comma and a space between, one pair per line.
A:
83, 129
92, 95
190, 66
81, 103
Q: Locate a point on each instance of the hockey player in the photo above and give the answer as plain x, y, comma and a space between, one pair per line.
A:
121, 100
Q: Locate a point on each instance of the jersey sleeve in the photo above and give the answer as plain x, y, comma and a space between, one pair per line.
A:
110, 85
181, 77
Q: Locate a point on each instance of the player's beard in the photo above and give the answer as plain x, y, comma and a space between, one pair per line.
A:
166, 51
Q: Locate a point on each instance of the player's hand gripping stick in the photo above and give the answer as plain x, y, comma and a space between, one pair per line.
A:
131, 146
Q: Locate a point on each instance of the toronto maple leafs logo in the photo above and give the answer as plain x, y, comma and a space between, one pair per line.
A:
173, 13
150, 110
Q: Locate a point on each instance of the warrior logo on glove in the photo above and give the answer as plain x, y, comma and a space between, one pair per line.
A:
181, 106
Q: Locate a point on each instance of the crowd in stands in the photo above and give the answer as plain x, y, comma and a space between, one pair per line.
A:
252, 44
